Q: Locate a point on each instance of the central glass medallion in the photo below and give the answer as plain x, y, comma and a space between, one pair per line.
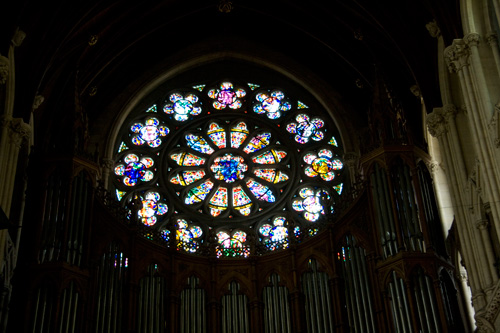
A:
229, 168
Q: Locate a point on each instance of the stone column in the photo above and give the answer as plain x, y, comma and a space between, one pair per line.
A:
492, 39
482, 226
436, 124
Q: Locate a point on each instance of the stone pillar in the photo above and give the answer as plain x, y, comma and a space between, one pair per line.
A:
436, 124
492, 39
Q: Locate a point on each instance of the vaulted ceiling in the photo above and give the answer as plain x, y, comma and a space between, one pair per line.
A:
98, 53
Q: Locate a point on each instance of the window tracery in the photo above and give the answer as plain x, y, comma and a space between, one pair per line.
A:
226, 157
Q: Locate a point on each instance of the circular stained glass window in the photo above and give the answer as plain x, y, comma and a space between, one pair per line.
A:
230, 164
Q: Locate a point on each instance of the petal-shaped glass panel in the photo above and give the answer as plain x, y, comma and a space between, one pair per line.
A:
260, 191
217, 134
198, 193
258, 142
241, 201
198, 143
270, 157
238, 134
187, 159
187, 177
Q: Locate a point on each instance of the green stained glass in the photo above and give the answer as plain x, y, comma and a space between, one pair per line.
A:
253, 86
120, 194
152, 109
338, 188
122, 147
199, 87
301, 105
333, 142
198, 193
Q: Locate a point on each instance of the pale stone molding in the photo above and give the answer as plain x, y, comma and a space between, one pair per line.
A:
494, 125
435, 122
107, 163
433, 29
18, 38
37, 101
449, 112
225, 6
492, 39
4, 69
93, 40
433, 167
19, 131
486, 318
482, 224
415, 90
472, 39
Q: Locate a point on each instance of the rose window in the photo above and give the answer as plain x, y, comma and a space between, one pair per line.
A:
226, 95
225, 183
135, 170
182, 107
219, 167
150, 132
306, 129
272, 104
322, 164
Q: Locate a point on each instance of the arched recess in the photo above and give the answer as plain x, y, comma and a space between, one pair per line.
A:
294, 72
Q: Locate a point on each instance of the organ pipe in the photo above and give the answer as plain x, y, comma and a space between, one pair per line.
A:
112, 273
357, 289
318, 300
235, 311
276, 309
193, 316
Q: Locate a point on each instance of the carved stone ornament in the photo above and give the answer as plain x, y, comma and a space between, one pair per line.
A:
492, 39
225, 6
19, 131
450, 58
449, 111
415, 90
472, 39
18, 38
37, 101
433, 166
494, 305
483, 325
4, 69
433, 29
350, 158
107, 163
436, 123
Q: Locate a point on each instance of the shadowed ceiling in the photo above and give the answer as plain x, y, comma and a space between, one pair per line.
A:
99, 53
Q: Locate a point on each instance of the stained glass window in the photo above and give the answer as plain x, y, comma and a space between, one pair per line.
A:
222, 158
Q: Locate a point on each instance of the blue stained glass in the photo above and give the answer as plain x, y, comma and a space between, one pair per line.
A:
199, 144
229, 168
135, 170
